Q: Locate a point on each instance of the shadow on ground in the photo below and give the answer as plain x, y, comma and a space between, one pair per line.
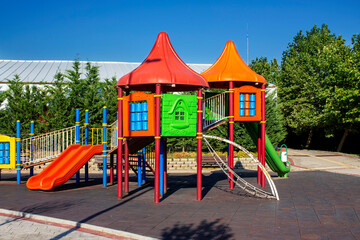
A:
205, 230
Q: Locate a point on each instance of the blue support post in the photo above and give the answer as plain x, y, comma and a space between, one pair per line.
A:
32, 127
139, 173
86, 142
77, 139
104, 148
18, 151
143, 178
161, 167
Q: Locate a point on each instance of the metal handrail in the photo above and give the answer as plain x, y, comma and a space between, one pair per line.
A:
214, 110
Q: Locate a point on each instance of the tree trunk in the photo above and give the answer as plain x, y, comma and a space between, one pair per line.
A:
309, 139
341, 144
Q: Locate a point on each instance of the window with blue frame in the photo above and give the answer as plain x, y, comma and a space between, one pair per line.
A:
4, 153
139, 116
247, 104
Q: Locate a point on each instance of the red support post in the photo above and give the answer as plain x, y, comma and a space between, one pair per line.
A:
165, 165
263, 132
120, 143
157, 142
231, 130
259, 155
111, 168
199, 145
126, 168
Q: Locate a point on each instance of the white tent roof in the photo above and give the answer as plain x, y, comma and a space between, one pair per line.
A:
44, 71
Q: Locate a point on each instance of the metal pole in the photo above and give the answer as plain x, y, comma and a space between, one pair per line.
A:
259, 154
104, 125
139, 173
263, 132
31, 147
104, 141
86, 142
18, 152
165, 165
143, 165
157, 141
77, 139
161, 171
111, 168
120, 143
231, 131
199, 145
126, 168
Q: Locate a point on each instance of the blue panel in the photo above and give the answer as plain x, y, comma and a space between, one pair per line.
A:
132, 107
242, 97
7, 146
7, 157
138, 116
138, 107
252, 112
132, 126
242, 112
2, 160
2, 146
242, 105
144, 116
138, 126
144, 107
252, 105
132, 117
252, 97
145, 126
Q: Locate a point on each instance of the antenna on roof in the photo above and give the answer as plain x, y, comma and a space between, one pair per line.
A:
247, 44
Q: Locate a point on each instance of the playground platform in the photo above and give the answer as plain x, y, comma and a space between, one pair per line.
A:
319, 200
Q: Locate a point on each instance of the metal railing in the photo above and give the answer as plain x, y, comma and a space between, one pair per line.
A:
47, 146
50, 145
214, 110
113, 135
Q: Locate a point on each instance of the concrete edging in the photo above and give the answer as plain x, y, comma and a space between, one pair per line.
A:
70, 223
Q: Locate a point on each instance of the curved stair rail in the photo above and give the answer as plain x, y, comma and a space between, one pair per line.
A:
47, 146
237, 179
214, 110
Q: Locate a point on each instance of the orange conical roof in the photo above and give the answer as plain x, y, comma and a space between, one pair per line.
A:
230, 67
163, 66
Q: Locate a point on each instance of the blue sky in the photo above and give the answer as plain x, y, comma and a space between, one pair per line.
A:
126, 30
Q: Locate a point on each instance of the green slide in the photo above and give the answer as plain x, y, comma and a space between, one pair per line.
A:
272, 157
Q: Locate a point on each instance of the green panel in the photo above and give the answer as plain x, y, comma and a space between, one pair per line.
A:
178, 117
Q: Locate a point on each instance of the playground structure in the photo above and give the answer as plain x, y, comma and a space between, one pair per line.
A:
151, 114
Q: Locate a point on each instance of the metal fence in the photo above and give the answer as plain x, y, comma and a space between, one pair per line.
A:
46, 146
214, 110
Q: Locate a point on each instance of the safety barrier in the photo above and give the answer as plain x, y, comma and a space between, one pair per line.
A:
214, 110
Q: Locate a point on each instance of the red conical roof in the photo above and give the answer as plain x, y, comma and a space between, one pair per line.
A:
163, 66
230, 67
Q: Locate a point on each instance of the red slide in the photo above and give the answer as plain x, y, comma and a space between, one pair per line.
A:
63, 167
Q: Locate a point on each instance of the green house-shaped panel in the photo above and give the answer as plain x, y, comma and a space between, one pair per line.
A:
178, 117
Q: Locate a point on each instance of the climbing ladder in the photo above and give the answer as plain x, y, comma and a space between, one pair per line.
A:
237, 179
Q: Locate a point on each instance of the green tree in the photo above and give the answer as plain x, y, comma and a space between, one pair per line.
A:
59, 104
270, 70
25, 103
342, 108
109, 98
309, 79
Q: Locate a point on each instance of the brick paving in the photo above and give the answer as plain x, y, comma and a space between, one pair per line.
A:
313, 205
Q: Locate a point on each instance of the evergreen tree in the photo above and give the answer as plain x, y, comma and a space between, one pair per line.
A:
59, 104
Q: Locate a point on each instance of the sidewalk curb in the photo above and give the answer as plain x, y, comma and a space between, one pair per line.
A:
72, 224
